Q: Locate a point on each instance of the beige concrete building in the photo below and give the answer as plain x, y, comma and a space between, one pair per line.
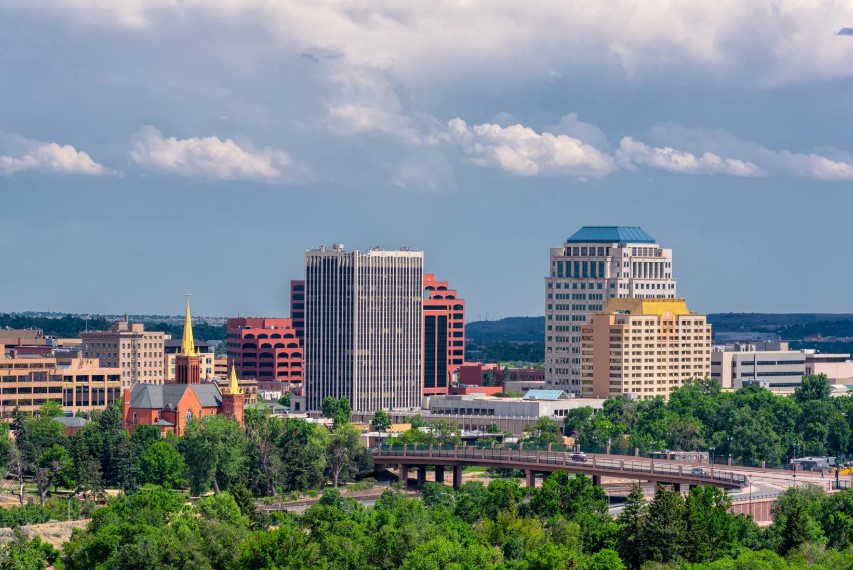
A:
204, 350
77, 384
644, 348
770, 365
594, 265
128, 346
837, 367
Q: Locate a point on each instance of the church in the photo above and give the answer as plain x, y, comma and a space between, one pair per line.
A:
171, 406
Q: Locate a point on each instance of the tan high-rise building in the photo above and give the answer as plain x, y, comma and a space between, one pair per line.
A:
644, 348
594, 265
128, 346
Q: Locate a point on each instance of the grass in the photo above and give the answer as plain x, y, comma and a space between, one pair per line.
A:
474, 469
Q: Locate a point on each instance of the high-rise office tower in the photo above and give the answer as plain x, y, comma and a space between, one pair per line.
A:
444, 334
594, 265
139, 353
363, 327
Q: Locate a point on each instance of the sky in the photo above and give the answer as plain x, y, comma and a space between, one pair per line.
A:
149, 147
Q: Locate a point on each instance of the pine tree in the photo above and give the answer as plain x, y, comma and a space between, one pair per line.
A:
664, 531
631, 521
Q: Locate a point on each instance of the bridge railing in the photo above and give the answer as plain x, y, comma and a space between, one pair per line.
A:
509, 455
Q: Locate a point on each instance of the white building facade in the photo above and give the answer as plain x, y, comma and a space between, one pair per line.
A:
595, 264
363, 327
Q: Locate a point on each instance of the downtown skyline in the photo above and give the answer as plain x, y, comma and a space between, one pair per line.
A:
247, 133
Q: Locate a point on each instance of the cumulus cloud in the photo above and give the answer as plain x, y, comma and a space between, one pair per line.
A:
50, 158
700, 151
522, 151
209, 157
633, 153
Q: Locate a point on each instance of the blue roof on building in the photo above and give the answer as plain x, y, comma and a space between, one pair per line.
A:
546, 395
610, 234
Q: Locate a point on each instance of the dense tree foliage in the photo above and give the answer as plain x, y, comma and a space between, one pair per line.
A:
751, 424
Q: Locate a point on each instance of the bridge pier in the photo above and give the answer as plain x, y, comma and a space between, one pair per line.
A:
531, 478
439, 474
403, 474
457, 476
676, 487
421, 475
596, 480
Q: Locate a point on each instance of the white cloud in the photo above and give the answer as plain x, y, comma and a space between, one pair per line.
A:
777, 42
522, 151
633, 153
829, 164
587, 132
51, 158
208, 157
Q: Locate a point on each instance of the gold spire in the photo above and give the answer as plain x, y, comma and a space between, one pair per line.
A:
233, 386
188, 344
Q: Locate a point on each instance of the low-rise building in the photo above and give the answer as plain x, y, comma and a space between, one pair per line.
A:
643, 348
535, 404
76, 384
771, 366
837, 367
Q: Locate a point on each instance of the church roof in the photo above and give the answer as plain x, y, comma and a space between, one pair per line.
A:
158, 397
610, 234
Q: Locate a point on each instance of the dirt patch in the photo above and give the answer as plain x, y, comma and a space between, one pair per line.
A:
55, 533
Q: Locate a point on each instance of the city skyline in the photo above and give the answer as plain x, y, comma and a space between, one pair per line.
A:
478, 133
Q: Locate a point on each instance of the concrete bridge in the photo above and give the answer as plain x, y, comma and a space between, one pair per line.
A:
657, 471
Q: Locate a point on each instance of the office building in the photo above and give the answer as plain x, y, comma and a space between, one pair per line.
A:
265, 349
363, 327
594, 265
770, 365
128, 346
837, 367
444, 334
643, 348
77, 384
297, 307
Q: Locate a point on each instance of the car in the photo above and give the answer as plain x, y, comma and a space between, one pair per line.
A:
578, 456
698, 471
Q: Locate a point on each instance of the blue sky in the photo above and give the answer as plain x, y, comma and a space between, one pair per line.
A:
150, 147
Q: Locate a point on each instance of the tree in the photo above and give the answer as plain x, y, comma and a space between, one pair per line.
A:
381, 421
545, 431
664, 530
55, 465
711, 529
631, 522
161, 464
214, 450
794, 518
445, 432
342, 452
302, 446
576, 421
338, 410
813, 388
285, 400
563, 494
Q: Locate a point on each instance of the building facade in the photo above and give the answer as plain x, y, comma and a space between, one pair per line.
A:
297, 307
737, 365
594, 265
643, 348
77, 384
837, 367
444, 334
205, 351
363, 327
172, 406
265, 349
128, 346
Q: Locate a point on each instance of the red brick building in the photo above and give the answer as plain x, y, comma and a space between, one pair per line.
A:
267, 350
444, 334
171, 406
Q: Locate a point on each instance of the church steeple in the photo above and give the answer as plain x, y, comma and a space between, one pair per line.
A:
233, 386
187, 343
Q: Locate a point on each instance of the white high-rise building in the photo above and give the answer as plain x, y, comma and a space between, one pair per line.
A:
595, 264
363, 327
